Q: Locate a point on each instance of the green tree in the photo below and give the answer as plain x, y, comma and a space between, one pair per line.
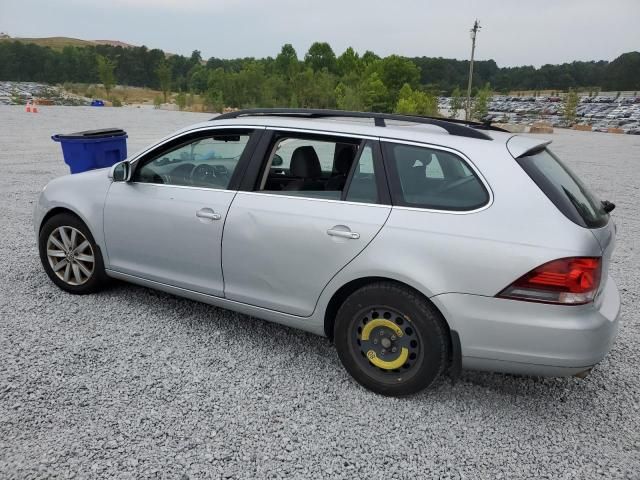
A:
427, 104
457, 103
348, 98
164, 78
250, 85
196, 57
181, 100
416, 102
369, 57
137, 66
214, 101
198, 76
406, 101
570, 106
375, 96
480, 108
293, 101
106, 73
395, 71
622, 73
319, 56
286, 63
349, 63
315, 90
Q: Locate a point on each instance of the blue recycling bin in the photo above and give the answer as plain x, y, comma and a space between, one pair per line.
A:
93, 149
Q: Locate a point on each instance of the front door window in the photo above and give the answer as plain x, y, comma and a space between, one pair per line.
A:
207, 162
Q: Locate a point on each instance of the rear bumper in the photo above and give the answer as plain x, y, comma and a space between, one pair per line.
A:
531, 338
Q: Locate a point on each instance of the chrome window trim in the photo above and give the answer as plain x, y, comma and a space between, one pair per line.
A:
314, 199
335, 134
454, 152
431, 210
137, 156
209, 189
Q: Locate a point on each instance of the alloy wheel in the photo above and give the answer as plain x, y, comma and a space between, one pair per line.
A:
70, 255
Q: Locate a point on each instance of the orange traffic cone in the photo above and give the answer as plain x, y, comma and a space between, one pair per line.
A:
34, 108
28, 110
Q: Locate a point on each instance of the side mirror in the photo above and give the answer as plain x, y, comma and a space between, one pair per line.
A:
120, 172
277, 161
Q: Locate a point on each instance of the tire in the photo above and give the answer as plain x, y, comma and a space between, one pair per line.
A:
398, 318
71, 259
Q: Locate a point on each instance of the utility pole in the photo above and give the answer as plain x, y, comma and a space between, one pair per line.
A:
474, 32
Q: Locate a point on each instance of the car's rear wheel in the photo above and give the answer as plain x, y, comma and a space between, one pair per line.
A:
391, 339
70, 255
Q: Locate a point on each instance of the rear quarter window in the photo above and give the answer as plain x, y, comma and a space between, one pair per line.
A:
564, 188
430, 178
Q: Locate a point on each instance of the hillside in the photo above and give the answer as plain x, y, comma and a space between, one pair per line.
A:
58, 43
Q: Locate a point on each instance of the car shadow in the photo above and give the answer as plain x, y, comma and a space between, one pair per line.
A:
210, 324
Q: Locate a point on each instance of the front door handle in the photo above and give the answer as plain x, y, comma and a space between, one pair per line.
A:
343, 232
208, 214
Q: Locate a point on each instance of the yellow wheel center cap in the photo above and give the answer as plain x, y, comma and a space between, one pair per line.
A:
396, 332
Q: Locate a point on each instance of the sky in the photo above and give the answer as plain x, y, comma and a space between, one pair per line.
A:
514, 32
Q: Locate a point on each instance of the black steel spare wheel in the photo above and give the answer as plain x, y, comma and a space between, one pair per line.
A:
391, 339
387, 343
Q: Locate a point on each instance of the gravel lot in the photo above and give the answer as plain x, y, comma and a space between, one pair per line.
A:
132, 383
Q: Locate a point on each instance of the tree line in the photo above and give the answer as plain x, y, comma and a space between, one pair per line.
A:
320, 79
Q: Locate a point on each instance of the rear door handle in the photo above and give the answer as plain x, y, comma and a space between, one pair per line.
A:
339, 231
208, 214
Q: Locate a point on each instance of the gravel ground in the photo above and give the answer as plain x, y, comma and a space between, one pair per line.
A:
132, 383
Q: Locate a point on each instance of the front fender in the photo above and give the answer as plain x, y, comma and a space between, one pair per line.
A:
83, 194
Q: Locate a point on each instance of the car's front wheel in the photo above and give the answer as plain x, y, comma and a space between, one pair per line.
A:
70, 255
391, 339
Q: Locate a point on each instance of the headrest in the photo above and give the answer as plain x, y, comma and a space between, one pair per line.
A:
412, 163
305, 163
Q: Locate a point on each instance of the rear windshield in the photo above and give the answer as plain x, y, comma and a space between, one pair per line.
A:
564, 189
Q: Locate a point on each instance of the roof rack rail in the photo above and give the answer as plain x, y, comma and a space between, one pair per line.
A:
460, 128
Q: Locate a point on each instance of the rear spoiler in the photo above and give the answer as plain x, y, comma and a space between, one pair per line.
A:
520, 146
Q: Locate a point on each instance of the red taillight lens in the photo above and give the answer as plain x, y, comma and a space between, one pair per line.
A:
569, 281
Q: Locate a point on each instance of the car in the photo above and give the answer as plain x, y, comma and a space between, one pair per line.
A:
420, 246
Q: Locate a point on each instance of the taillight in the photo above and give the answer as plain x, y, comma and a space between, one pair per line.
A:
568, 281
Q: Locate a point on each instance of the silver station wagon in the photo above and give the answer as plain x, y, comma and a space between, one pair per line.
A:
419, 245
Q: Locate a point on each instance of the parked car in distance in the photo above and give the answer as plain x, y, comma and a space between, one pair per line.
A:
418, 245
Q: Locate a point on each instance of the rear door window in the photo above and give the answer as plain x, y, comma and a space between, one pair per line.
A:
362, 187
564, 189
315, 166
430, 178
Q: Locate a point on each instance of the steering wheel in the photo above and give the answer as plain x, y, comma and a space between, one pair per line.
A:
203, 174
457, 183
